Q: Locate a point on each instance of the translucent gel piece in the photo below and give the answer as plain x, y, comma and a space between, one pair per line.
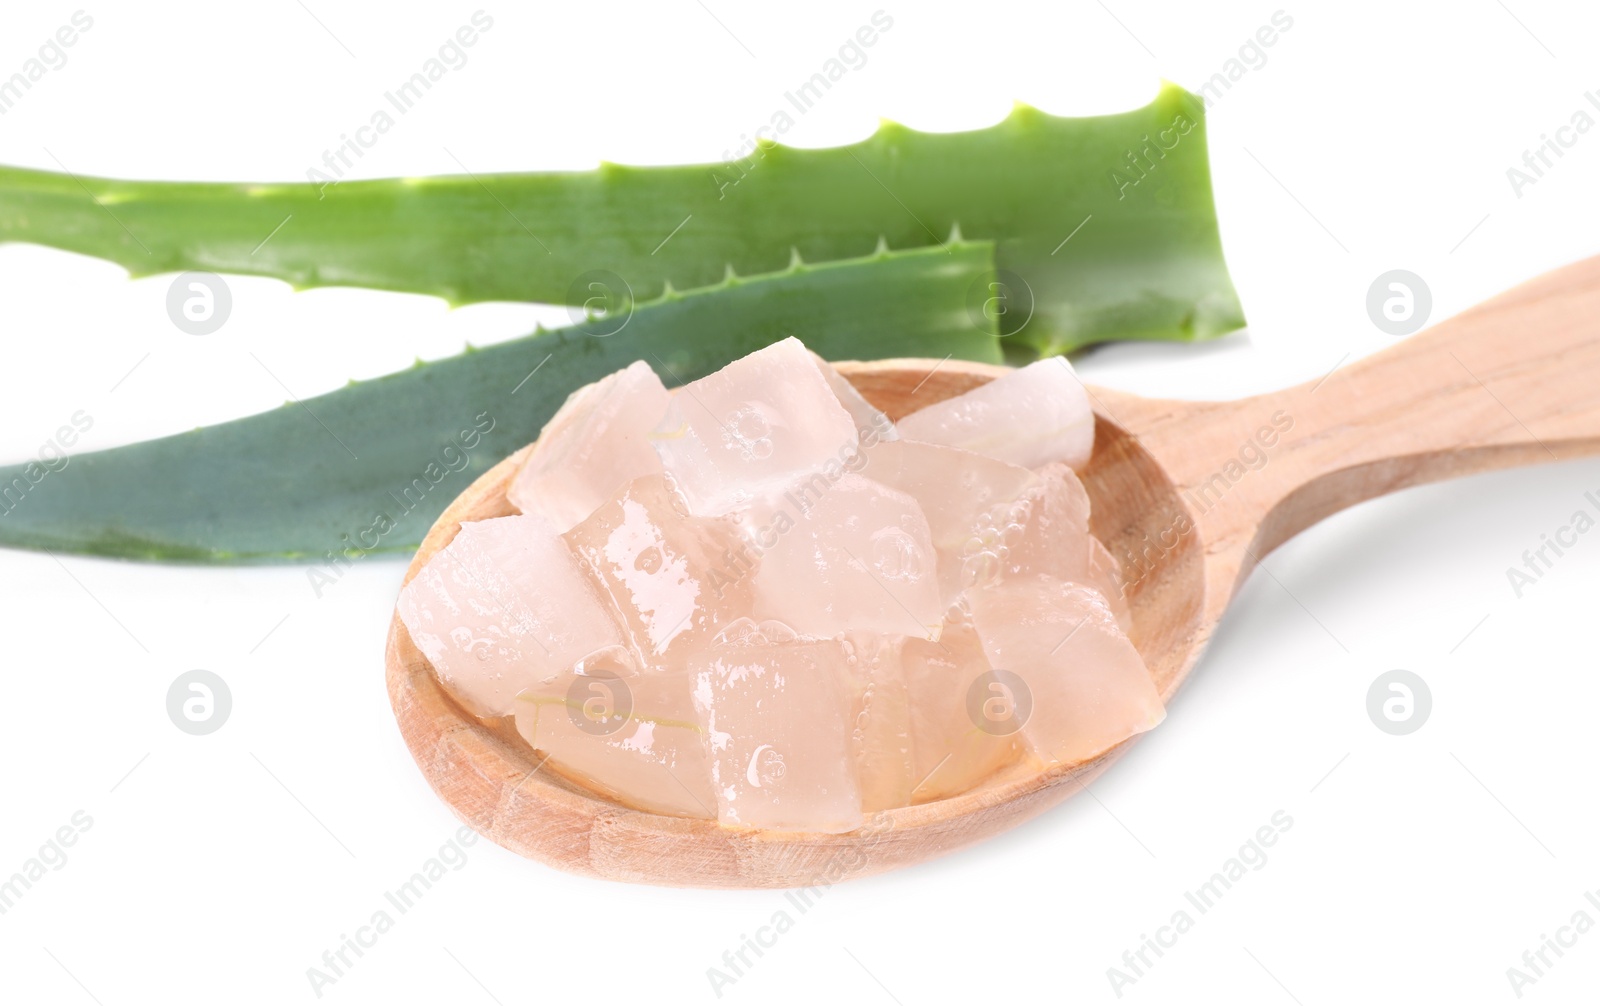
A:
1086, 687
597, 443
954, 751
855, 555
779, 736
675, 579
503, 607
863, 413
1046, 532
1029, 417
880, 710
1105, 576
956, 489
751, 428
634, 739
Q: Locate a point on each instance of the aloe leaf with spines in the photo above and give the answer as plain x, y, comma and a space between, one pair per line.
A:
1104, 226
368, 467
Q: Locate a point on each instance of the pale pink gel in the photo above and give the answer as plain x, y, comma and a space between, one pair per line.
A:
952, 752
858, 556
779, 740
636, 739
757, 600
752, 428
504, 606
1029, 417
598, 442
658, 563
1089, 689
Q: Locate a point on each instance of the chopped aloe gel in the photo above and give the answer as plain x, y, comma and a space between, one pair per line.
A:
597, 443
635, 739
779, 736
956, 490
656, 560
1087, 687
1029, 417
880, 705
858, 557
954, 749
757, 600
752, 428
502, 607
1044, 530
1105, 576
866, 416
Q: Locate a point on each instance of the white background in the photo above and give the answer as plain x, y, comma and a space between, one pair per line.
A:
219, 868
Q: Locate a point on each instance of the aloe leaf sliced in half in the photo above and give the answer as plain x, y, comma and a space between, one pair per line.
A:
1104, 226
367, 468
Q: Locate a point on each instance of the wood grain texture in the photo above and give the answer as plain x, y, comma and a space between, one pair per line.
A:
1513, 381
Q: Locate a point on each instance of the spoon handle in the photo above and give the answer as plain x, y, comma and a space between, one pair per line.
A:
1512, 381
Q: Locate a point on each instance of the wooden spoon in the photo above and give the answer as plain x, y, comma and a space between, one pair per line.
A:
1188, 495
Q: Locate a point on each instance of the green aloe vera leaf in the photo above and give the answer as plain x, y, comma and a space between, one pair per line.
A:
1107, 221
323, 476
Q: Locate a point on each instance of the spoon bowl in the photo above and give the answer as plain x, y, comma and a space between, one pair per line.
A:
1187, 495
